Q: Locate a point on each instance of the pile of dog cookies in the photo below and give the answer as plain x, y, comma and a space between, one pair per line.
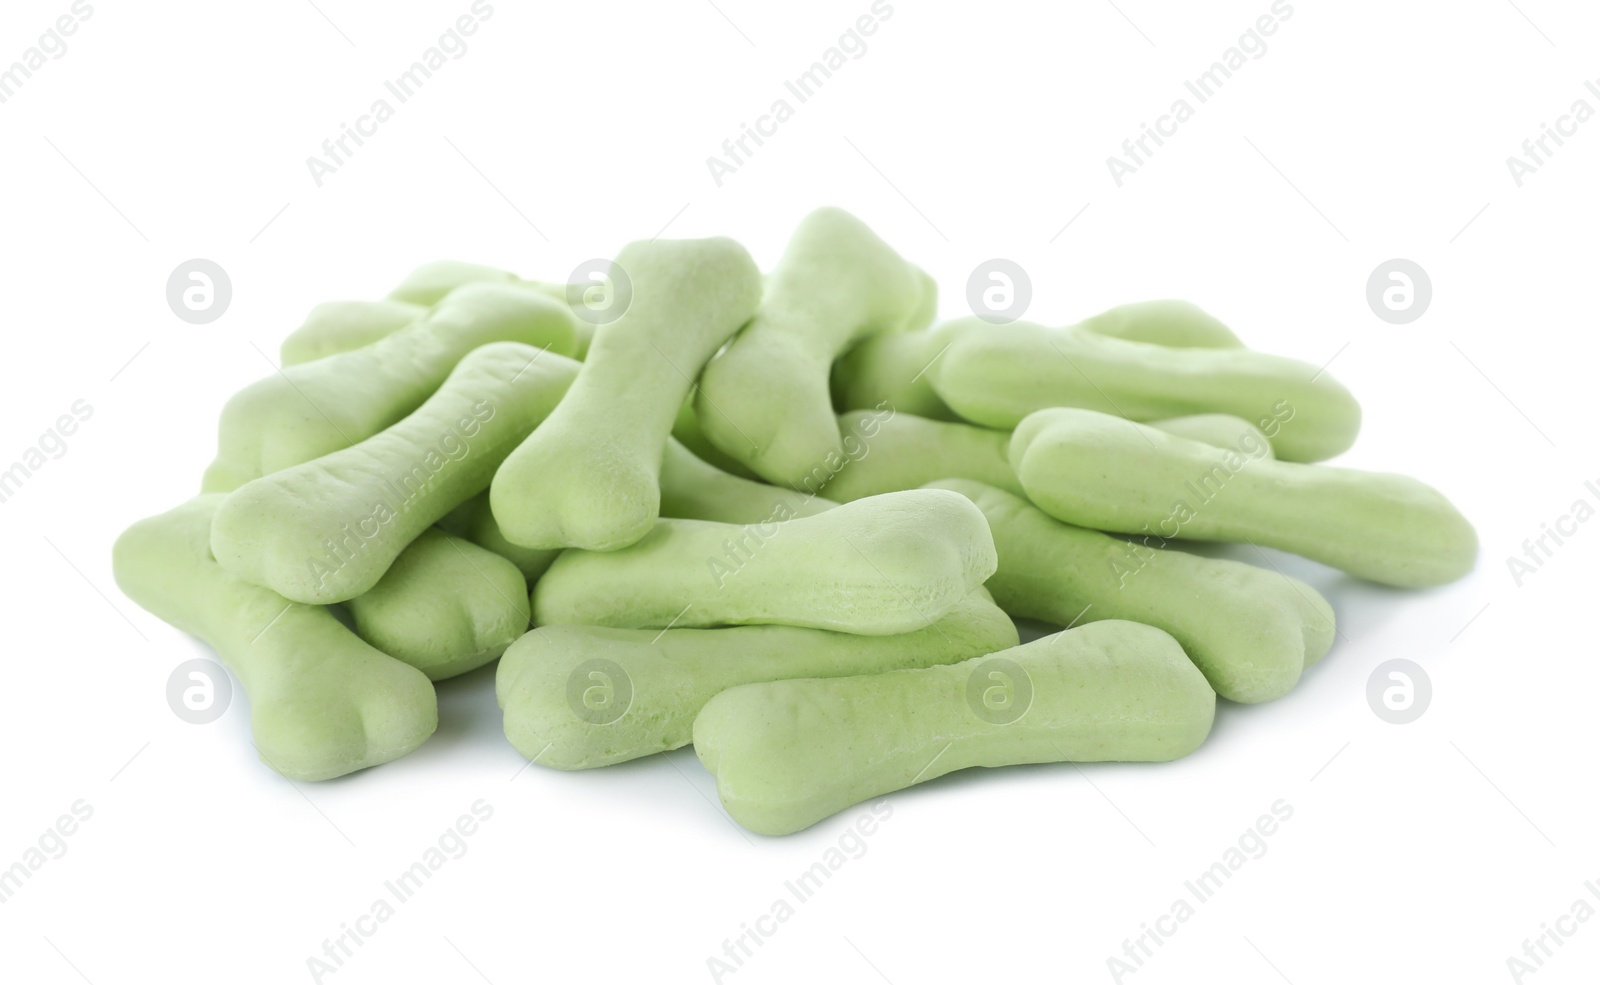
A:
777, 516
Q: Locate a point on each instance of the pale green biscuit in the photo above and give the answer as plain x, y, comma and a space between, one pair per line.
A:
339, 326
1251, 631
307, 411
589, 477
695, 490
890, 371
787, 754
429, 283
878, 566
764, 399
997, 377
1129, 361
1221, 430
445, 606
474, 521
893, 370
322, 702
1178, 324
326, 530
432, 282
686, 429
577, 697
927, 308
890, 451
1107, 473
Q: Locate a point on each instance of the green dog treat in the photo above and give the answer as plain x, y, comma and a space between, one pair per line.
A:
576, 697
695, 490
589, 477
878, 566
1221, 430
1250, 631
432, 282
996, 377
339, 326
889, 452
764, 399
686, 429
1111, 474
446, 606
310, 410
326, 531
322, 702
474, 521
789, 753
927, 310
429, 283
891, 372
1177, 324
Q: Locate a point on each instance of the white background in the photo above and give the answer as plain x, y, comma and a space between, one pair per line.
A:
1368, 130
